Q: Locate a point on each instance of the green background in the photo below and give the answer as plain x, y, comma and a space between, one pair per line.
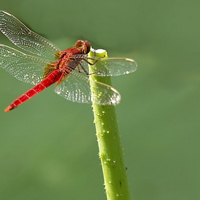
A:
48, 147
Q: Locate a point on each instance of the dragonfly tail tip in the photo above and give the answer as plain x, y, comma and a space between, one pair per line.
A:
9, 108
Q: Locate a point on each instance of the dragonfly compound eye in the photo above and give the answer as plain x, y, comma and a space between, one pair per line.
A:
84, 45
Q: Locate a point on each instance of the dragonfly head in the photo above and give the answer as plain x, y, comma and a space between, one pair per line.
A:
83, 45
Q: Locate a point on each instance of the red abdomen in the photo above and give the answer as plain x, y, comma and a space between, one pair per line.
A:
49, 80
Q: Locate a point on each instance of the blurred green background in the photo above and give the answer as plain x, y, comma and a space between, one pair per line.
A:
48, 147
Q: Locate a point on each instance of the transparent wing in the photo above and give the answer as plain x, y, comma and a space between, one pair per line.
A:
23, 67
24, 38
111, 66
76, 88
114, 66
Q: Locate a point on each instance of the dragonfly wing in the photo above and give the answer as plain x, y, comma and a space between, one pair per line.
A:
23, 67
24, 38
114, 66
76, 88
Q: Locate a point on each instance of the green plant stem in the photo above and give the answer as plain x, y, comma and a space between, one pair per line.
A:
110, 149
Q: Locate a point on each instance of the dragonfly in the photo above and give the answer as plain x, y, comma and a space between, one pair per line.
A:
42, 63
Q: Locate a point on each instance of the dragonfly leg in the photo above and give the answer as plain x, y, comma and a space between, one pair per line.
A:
96, 60
83, 69
86, 60
78, 68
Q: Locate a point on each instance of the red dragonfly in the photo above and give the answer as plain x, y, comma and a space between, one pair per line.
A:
46, 64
